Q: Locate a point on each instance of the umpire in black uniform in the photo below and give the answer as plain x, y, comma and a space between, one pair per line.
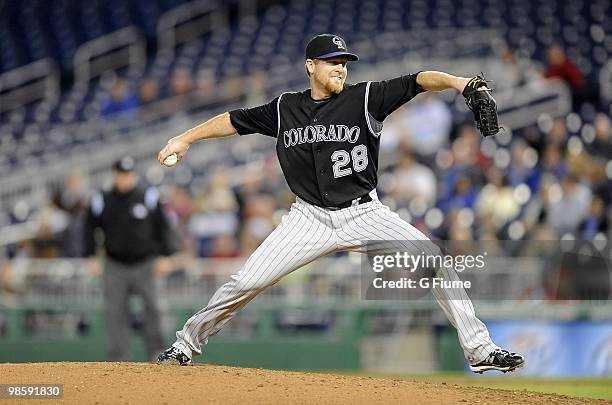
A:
135, 232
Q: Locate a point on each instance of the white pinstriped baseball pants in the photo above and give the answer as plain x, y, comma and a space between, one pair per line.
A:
309, 232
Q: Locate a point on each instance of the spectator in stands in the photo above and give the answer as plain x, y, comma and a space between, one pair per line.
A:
597, 222
413, 180
232, 88
224, 247
558, 133
496, 199
428, 123
180, 207
256, 88
135, 231
51, 222
148, 90
258, 222
215, 212
458, 231
206, 83
122, 101
467, 160
567, 211
274, 183
45, 244
13, 273
471, 141
464, 194
266, 182
601, 147
180, 87
516, 71
559, 66
486, 229
604, 191
523, 167
181, 82
552, 162
72, 201
393, 134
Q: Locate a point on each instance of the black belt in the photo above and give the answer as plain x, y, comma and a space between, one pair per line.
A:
360, 200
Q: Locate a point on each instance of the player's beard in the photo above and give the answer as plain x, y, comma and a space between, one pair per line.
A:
331, 85
334, 86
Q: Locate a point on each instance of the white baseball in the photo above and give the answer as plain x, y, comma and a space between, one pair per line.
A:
171, 160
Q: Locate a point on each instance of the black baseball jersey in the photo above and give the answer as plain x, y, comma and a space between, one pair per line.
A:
328, 149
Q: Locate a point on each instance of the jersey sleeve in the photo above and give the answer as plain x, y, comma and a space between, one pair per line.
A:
262, 119
388, 95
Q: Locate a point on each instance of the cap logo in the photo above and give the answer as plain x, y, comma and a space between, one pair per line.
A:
338, 42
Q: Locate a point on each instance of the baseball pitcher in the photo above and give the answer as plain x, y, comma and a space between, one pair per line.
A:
327, 142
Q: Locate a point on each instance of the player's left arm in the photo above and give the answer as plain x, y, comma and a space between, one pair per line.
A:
438, 81
388, 95
475, 91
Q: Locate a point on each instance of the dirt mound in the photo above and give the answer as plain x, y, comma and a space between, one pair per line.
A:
143, 383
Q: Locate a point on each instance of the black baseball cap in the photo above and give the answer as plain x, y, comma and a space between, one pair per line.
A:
125, 164
328, 46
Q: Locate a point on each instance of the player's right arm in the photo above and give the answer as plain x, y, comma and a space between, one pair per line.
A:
262, 119
217, 127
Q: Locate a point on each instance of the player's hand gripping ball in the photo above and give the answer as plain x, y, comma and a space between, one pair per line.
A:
171, 160
173, 152
478, 99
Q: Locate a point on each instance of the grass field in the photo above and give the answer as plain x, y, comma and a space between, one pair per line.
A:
587, 387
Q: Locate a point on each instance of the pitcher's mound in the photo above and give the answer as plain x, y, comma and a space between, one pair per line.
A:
144, 383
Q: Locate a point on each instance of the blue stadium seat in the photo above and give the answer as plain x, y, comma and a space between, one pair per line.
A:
30, 30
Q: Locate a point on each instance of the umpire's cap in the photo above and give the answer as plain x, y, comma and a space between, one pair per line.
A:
328, 46
125, 164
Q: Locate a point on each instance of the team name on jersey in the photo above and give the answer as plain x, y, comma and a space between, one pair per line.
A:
320, 133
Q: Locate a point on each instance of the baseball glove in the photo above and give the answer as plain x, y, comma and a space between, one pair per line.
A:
482, 105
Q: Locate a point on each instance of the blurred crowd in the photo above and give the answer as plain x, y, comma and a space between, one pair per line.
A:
548, 181
125, 98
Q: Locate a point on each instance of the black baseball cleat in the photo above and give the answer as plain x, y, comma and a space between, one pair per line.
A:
500, 360
173, 355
